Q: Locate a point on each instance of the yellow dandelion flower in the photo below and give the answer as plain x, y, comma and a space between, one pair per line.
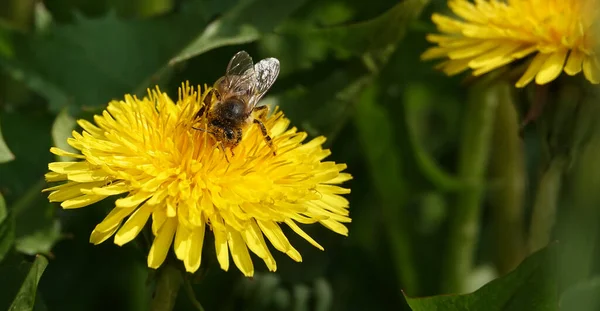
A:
561, 35
146, 151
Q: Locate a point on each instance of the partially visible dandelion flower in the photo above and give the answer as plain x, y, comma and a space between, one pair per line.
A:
561, 35
146, 152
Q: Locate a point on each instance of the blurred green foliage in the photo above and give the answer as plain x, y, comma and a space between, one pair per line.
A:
422, 147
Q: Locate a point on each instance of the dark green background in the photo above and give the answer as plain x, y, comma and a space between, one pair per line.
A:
350, 70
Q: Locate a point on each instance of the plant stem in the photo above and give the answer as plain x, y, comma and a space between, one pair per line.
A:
473, 160
544, 208
168, 283
578, 230
508, 168
384, 159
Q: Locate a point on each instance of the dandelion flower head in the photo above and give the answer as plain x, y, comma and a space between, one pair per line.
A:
164, 171
559, 35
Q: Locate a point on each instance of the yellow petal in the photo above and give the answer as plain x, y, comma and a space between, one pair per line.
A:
254, 239
113, 189
591, 69
68, 191
69, 167
239, 252
435, 52
162, 243
474, 50
221, 248
552, 67
158, 219
98, 237
61, 153
82, 201
133, 199
532, 70
181, 245
493, 57
90, 128
194, 256
113, 218
53, 177
574, 62
335, 226
273, 232
453, 67
134, 225
303, 234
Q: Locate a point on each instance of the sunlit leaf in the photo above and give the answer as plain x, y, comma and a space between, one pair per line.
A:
37, 228
91, 61
7, 236
61, 130
244, 23
530, 287
41, 240
373, 35
25, 299
324, 108
5, 153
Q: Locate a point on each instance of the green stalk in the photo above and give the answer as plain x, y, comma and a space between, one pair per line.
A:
376, 133
578, 231
544, 208
473, 161
508, 169
168, 283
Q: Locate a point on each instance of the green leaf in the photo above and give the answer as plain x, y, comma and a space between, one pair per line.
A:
37, 228
324, 108
530, 287
41, 240
244, 23
376, 35
5, 153
106, 57
3, 211
61, 131
25, 299
584, 296
7, 236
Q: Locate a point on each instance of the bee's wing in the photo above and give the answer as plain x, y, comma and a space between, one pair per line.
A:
239, 76
266, 72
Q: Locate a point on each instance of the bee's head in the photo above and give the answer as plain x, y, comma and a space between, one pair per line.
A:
228, 135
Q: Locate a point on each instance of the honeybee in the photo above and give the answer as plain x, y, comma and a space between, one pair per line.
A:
237, 94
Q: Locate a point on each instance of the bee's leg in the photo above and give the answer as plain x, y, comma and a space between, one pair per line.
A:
268, 139
225, 151
261, 112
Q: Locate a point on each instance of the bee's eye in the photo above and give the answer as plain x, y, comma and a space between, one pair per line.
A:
229, 134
